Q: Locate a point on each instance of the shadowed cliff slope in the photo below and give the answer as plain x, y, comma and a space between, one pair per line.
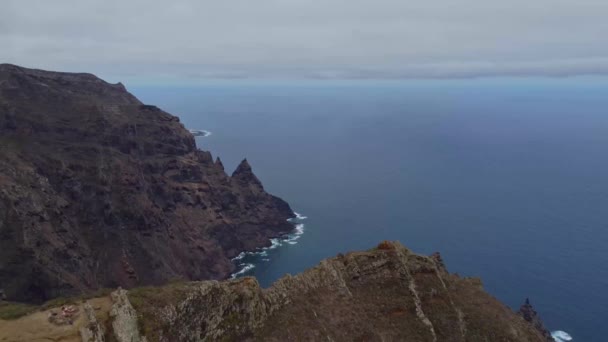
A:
100, 190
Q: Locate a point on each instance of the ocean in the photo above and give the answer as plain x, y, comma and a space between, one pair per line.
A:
506, 177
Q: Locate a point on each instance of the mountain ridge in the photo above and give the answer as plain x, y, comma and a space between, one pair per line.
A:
387, 293
101, 190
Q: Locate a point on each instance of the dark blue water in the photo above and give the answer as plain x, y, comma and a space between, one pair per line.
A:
508, 179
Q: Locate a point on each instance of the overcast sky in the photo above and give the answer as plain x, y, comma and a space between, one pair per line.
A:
193, 39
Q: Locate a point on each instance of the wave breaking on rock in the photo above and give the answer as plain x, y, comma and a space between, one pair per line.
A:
200, 132
561, 336
243, 260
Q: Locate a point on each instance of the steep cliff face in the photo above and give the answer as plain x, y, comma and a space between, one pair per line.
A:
100, 190
384, 294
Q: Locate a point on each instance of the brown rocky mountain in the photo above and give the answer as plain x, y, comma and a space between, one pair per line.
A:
385, 294
100, 190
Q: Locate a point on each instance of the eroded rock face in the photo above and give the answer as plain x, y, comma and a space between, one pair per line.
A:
527, 312
385, 294
93, 331
100, 190
124, 319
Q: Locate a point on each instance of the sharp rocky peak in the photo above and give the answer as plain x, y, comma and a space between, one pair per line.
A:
218, 163
527, 312
243, 168
244, 175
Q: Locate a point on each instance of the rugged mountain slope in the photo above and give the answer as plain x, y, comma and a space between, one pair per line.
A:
384, 294
100, 190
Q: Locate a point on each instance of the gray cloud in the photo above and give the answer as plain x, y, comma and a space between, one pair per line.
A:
193, 39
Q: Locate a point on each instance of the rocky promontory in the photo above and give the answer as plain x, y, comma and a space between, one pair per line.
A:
387, 293
100, 190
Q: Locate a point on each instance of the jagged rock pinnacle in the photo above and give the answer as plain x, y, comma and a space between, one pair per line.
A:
527, 312
244, 175
218, 162
243, 168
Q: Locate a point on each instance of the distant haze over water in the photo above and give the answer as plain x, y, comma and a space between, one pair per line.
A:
507, 178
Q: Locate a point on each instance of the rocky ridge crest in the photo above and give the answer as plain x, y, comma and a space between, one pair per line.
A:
385, 294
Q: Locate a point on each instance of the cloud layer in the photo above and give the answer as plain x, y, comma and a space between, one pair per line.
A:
304, 38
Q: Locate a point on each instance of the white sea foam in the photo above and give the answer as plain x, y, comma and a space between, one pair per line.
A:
561, 336
239, 257
246, 268
292, 238
274, 243
297, 233
299, 229
200, 132
289, 239
299, 217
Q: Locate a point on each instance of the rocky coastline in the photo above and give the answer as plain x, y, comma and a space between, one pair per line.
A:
98, 189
